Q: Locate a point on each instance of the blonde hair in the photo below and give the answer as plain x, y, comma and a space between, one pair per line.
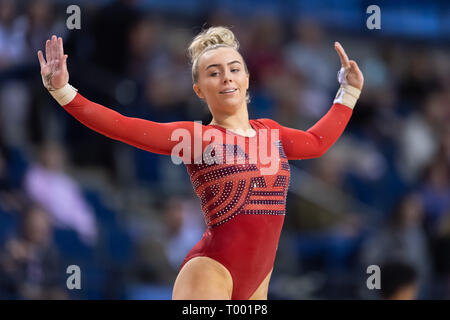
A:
210, 39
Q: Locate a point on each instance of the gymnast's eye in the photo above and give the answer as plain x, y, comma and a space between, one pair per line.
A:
214, 74
235, 70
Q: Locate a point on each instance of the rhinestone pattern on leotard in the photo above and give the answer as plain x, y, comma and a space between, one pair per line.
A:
227, 190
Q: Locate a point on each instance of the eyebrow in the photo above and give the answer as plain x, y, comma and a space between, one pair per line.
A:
218, 65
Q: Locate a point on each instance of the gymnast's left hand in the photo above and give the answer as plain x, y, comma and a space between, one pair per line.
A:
54, 71
354, 75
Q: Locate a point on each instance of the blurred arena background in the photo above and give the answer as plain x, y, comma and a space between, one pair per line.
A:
381, 195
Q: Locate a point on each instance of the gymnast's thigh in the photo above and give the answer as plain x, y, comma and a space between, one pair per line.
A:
203, 278
263, 289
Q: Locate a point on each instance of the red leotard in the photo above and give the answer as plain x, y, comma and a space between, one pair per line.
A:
243, 208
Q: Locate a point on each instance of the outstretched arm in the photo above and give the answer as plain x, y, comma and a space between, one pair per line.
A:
318, 139
144, 134
148, 135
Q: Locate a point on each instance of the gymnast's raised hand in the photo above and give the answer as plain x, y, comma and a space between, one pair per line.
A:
350, 68
350, 77
54, 66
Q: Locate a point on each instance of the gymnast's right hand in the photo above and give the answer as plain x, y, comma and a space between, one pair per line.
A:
54, 71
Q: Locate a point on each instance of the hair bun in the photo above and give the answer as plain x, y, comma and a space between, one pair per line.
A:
212, 37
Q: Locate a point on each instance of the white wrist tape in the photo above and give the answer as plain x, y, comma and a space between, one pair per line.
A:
64, 95
347, 95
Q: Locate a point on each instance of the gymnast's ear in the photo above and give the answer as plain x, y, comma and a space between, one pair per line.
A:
197, 91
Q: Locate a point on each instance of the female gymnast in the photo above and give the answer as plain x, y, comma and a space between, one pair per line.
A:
243, 207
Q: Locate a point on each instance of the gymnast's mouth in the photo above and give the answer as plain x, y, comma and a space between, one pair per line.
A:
228, 91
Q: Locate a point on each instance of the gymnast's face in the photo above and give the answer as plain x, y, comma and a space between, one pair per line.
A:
222, 80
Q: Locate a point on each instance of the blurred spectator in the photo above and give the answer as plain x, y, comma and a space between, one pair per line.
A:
309, 55
37, 24
398, 281
168, 86
311, 58
162, 250
142, 38
14, 110
264, 56
419, 137
444, 151
48, 184
12, 35
185, 227
29, 262
441, 248
286, 92
418, 78
38, 21
435, 193
12, 199
402, 239
329, 228
111, 31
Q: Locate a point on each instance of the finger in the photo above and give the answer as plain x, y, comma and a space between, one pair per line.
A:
63, 63
342, 55
358, 74
50, 51
41, 59
57, 48
354, 65
54, 47
48, 54
355, 68
60, 47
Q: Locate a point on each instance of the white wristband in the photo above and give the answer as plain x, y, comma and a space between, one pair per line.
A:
347, 95
64, 95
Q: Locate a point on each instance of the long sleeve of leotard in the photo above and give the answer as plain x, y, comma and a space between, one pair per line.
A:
148, 135
157, 137
314, 142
